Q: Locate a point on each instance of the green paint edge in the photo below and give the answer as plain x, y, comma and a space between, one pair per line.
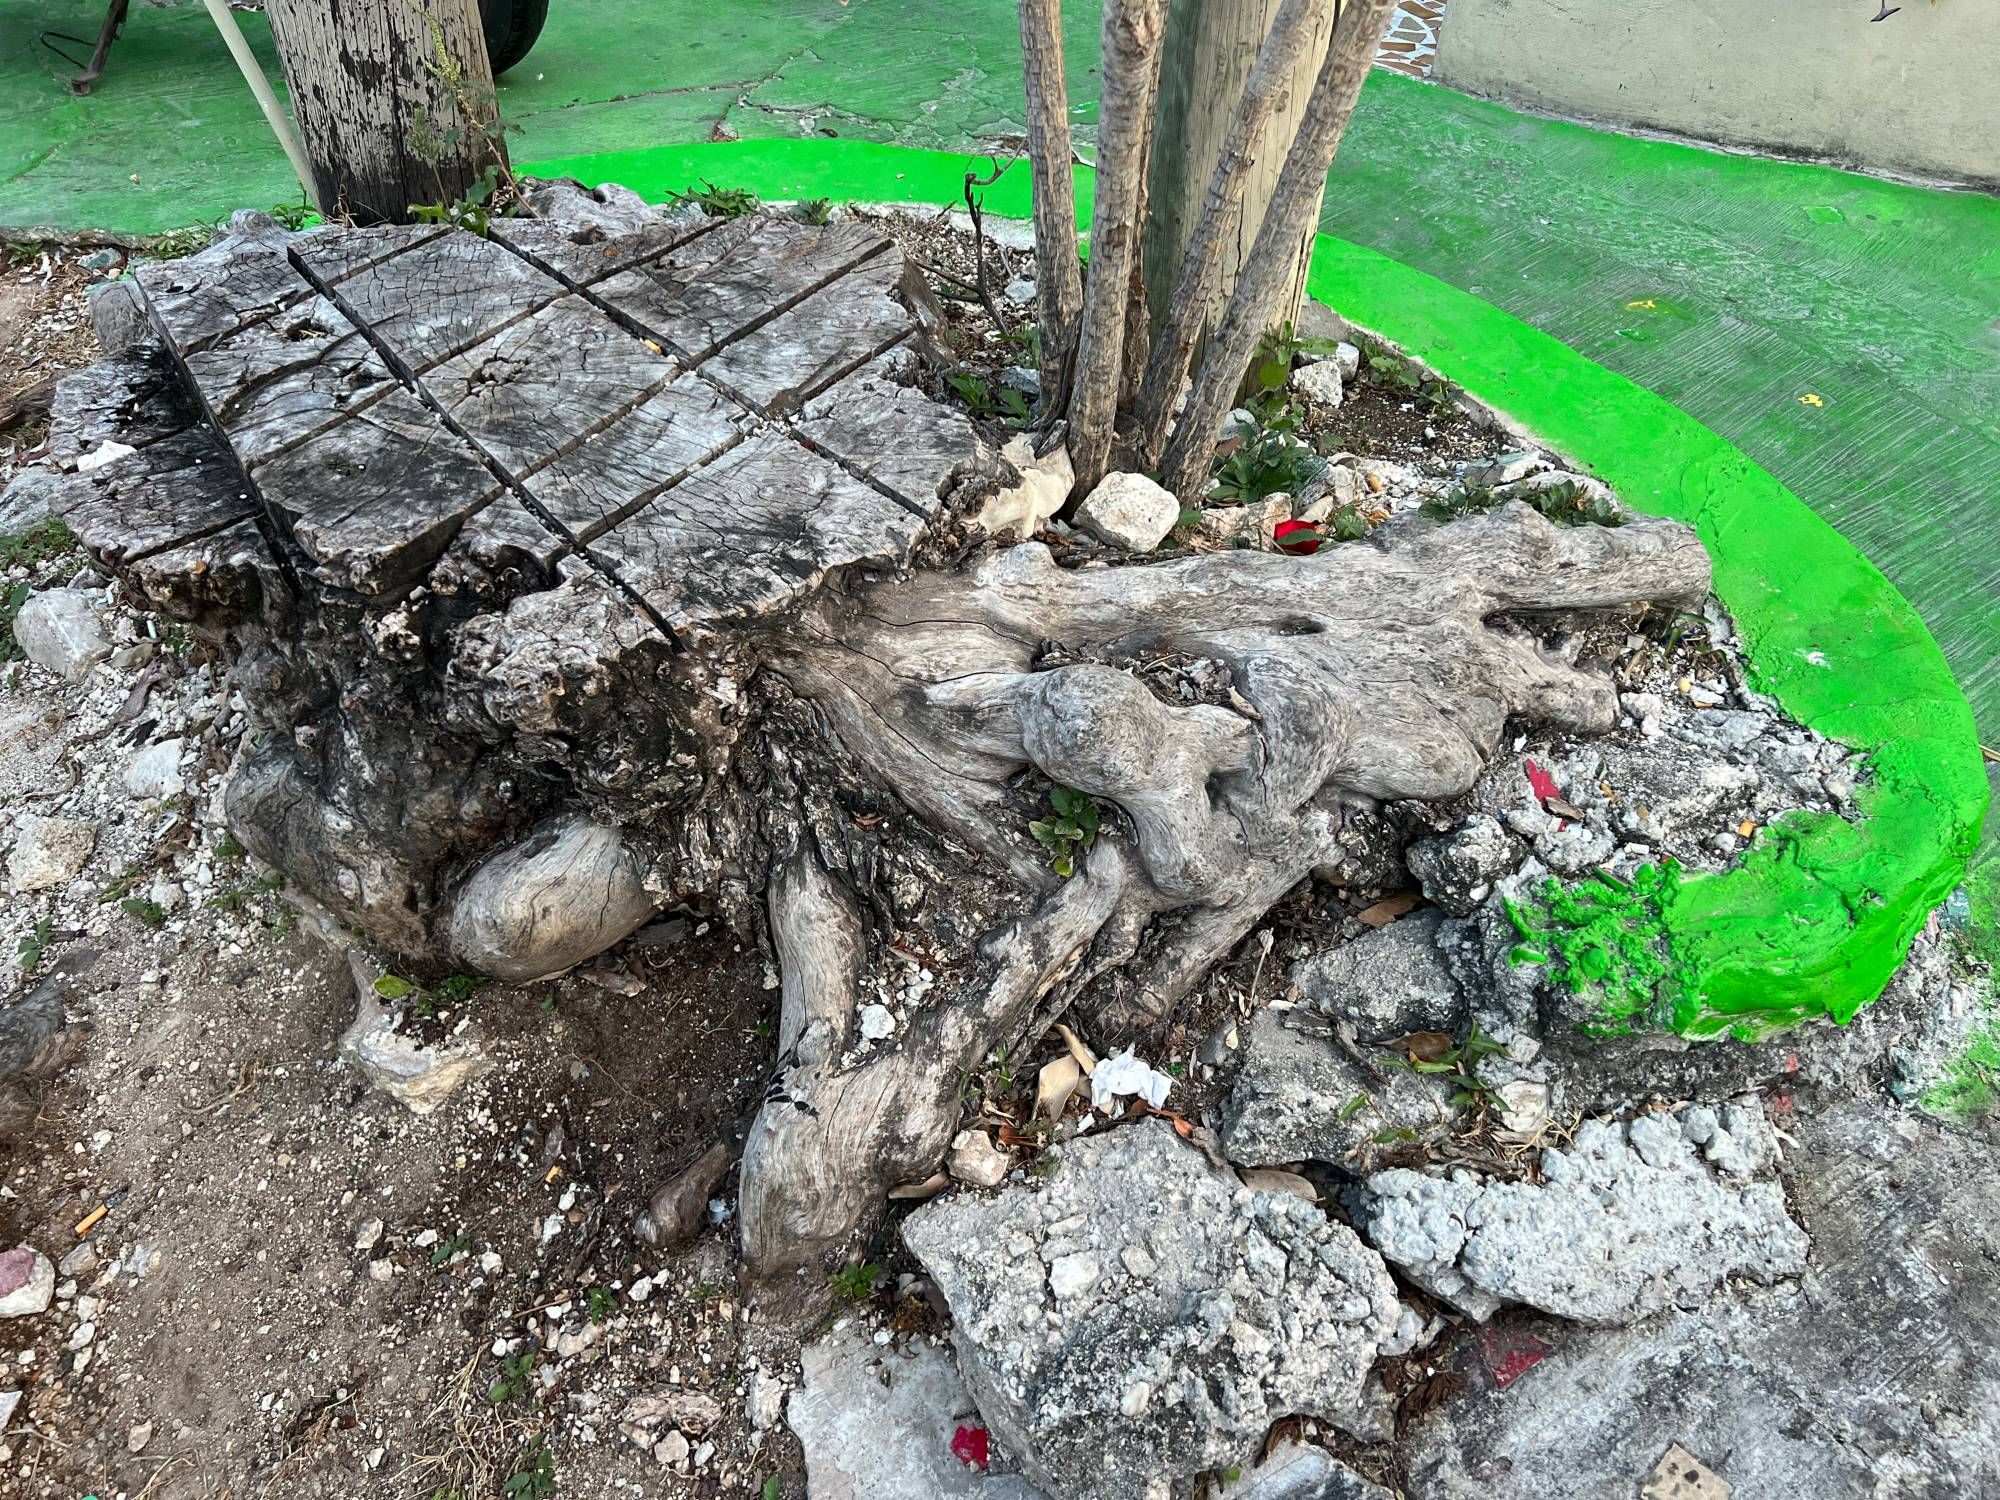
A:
1820, 913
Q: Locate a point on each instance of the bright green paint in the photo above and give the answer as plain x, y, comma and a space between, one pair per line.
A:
1820, 913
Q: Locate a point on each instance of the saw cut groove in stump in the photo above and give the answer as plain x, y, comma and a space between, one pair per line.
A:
614, 539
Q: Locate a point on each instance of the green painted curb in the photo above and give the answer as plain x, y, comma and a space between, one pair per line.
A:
1821, 912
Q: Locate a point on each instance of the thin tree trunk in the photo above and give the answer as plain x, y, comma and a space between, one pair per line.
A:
392, 99
1058, 274
1205, 273
1288, 223
1211, 49
1129, 81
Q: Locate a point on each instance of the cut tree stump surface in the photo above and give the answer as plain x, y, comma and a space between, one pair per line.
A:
603, 391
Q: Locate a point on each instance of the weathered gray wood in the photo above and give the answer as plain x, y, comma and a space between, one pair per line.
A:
177, 488
614, 471
198, 299
581, 254
1131, 71
539, 386
337, 251
373, 500
1215, 234
281, 381
437, 298
895, 436
834, 331
230, 573
134, 398
505, 537
1058, 271
759, 528
382, 124
1289, 224
714, 289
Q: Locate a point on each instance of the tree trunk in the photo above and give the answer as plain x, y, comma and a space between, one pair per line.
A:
394, 100
1211, 47
696, 625
1058, 272
1290, 219
1129, 84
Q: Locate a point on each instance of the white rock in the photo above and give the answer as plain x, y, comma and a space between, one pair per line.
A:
369, 1235
27, 1282
1129, 511
1027, 507
641, 1289
48, 851
1320, 382
59, 630
106, 452
1020, 291
140, 1435
9, 1402
976, 1160
671, 1450
877, 1022
421, 1077
155, 772
1347, 359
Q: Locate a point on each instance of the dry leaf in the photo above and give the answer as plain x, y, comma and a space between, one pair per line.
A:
1385, 911
1425, 1046
1055, 1084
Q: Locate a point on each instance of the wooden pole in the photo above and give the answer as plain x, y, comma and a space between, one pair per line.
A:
1058, 272
394, 100
1211, 47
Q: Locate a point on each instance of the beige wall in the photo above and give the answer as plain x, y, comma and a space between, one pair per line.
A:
1919, 92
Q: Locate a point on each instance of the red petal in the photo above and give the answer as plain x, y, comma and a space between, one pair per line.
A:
1541, 783
1303, 545
969, 1446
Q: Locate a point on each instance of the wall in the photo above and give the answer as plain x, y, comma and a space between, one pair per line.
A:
1917, 93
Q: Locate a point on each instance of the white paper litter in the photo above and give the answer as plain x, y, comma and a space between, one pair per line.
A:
1126, 1074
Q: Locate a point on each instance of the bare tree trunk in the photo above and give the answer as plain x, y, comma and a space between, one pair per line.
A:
1293, 211
1208, 268
1130, 79
1211, 49
392, 98
1058, 274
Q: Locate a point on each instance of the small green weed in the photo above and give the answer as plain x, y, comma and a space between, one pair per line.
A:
855, 1283
815, 210
1566, 503
1269, 459
294, 216
720, 203
444, 1252
34, 944
1277, 351
10, 606
600, 1302
39, 544
227, 850
146, 913
987, 400
771, 1489
472, 211
178, 242
534, 1476
1070, 832
121, 885
512, 1383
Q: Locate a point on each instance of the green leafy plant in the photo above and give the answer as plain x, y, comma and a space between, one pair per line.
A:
988, 400
146, 913
512, 1383
444, 1252
471, 211
1269, 458
815, 210
39, 544
600, 1302
721, 203
1567, 503
534, 1475
855, 1283
393, 987
1455, 1064
1026, 337
771, 1490
10, 606
295, 216
34, 944
176, 243
1070, 832
227, 850
1277, 351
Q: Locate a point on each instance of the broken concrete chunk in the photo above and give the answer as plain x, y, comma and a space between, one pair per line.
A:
877, 1424
1300, 1097
1458, 870
48, 851
155, 772
1129, 511
1627, 1221
1175, 1315
976, 1160
1320, 381
1300, 1471
59, 631
1386, 983
1023, 509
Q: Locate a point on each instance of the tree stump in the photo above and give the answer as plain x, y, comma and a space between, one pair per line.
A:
611, 562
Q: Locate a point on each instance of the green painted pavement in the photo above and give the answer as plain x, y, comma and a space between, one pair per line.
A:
1821, 911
